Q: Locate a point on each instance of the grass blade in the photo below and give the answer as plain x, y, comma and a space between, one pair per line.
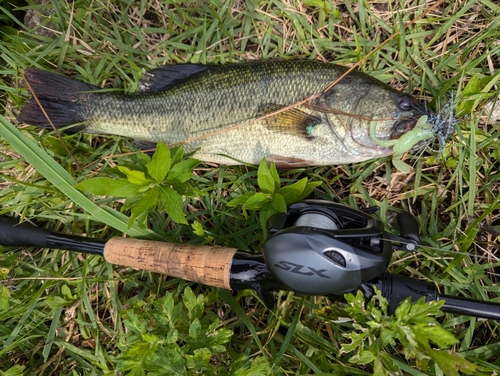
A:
61, 179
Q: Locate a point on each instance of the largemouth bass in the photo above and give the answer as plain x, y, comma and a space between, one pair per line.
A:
229, 113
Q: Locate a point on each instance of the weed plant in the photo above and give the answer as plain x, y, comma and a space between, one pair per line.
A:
70, 314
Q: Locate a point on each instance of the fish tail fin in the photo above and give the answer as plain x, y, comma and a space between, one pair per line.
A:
62, 99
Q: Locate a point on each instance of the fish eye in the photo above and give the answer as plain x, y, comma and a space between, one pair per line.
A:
405, 103
402, 127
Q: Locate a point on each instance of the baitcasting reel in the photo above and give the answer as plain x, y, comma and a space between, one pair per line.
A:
325, 248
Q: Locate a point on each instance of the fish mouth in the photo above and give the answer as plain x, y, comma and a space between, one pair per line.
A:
414, 110
403, 126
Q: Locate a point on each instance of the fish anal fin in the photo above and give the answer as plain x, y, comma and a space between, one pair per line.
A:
167, 76
292, 121
288, 162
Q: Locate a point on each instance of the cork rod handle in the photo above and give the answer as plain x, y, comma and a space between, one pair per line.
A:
203, 264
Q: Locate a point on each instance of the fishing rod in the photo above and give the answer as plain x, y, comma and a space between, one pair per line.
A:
316, 248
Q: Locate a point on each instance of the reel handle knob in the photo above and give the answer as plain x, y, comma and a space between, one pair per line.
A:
408, 228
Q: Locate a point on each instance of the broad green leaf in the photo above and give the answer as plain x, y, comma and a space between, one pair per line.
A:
356, 341
66, 292
16, 370
452, 364
256, 201
378, 369
264, 178
292, 191
173, 204
258, 366
403, 310
4, 272
435, 334
309, 188
55, 302
276, 177
195, 328
421, 309
265, 213
477, 90
148, 201
200, 362
134, 176
198, 228
364, 358
279, 203
109, 187
176, 154
241, 199
160, 163
451, 162
182, 171
143, 158
472, 88
4, 298
193, 303
325, 5
387, 336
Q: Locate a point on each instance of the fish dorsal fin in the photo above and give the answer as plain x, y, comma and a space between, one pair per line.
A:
292, 121
168, 76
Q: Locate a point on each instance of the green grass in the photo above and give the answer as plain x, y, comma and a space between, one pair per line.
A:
73, 314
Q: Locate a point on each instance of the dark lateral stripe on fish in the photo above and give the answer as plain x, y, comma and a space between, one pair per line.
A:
58, 97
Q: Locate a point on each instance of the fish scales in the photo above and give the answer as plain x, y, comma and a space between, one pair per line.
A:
216, 109
222, 97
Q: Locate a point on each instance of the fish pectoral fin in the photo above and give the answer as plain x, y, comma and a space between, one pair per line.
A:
288, 162
291, 121
167, 76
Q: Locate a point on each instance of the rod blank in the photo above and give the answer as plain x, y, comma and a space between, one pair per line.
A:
26, 235
395, 288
